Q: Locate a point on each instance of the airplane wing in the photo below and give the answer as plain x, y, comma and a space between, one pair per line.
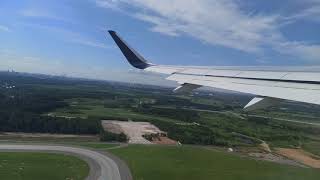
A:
269, 86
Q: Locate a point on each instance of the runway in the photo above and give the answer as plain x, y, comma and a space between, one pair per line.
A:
102, 166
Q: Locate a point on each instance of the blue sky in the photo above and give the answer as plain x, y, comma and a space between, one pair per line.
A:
68, 37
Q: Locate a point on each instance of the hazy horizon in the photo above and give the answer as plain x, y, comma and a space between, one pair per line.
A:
70, 38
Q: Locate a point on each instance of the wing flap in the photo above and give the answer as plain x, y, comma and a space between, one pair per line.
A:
281, 90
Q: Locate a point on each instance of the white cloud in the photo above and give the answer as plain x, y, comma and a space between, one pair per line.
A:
38, 13
88, 42
300, 49
310, 13
41, 13
219, 22
160, 25
4, 28
108, 4
70, 36
215, 22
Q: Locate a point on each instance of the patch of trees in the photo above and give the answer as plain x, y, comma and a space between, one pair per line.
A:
109, 137
22, 109
162, 100
119, 103
33, 123
193, 134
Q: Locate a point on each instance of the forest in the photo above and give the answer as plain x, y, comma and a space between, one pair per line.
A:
46, 104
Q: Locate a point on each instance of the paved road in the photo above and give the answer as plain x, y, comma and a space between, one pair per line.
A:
103, 166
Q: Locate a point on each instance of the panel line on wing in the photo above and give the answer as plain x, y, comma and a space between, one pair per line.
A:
252, 78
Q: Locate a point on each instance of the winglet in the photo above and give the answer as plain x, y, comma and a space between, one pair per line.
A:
133, 57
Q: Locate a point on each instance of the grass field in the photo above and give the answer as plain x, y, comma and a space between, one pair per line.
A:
312, 147
83, 108
222, 124
31, 166
193, 163
297, 116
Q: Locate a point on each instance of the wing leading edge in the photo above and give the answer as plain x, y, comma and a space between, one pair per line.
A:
269, 85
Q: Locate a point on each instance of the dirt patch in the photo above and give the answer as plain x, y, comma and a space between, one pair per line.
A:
136, 130
300, 156
112, 127
164, 141
265, 147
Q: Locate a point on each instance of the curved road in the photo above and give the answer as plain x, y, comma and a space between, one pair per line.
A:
102, 166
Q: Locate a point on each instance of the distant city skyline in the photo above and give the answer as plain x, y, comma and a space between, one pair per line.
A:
70, 37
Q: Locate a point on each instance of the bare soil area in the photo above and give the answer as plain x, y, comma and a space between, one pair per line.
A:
164, 141
300, 156
135, 131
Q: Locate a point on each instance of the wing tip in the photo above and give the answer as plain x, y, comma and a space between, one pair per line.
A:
111, 32
134, 58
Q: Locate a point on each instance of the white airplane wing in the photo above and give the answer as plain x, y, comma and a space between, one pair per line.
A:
269, 86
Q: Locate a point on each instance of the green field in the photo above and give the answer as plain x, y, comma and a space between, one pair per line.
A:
194, 163
312, 147
85, 107
32, 166
217, 126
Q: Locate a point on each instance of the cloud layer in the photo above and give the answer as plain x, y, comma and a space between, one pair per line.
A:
4, 28
69, 36
222, 23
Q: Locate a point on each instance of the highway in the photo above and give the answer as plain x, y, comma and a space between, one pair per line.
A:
102, 166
